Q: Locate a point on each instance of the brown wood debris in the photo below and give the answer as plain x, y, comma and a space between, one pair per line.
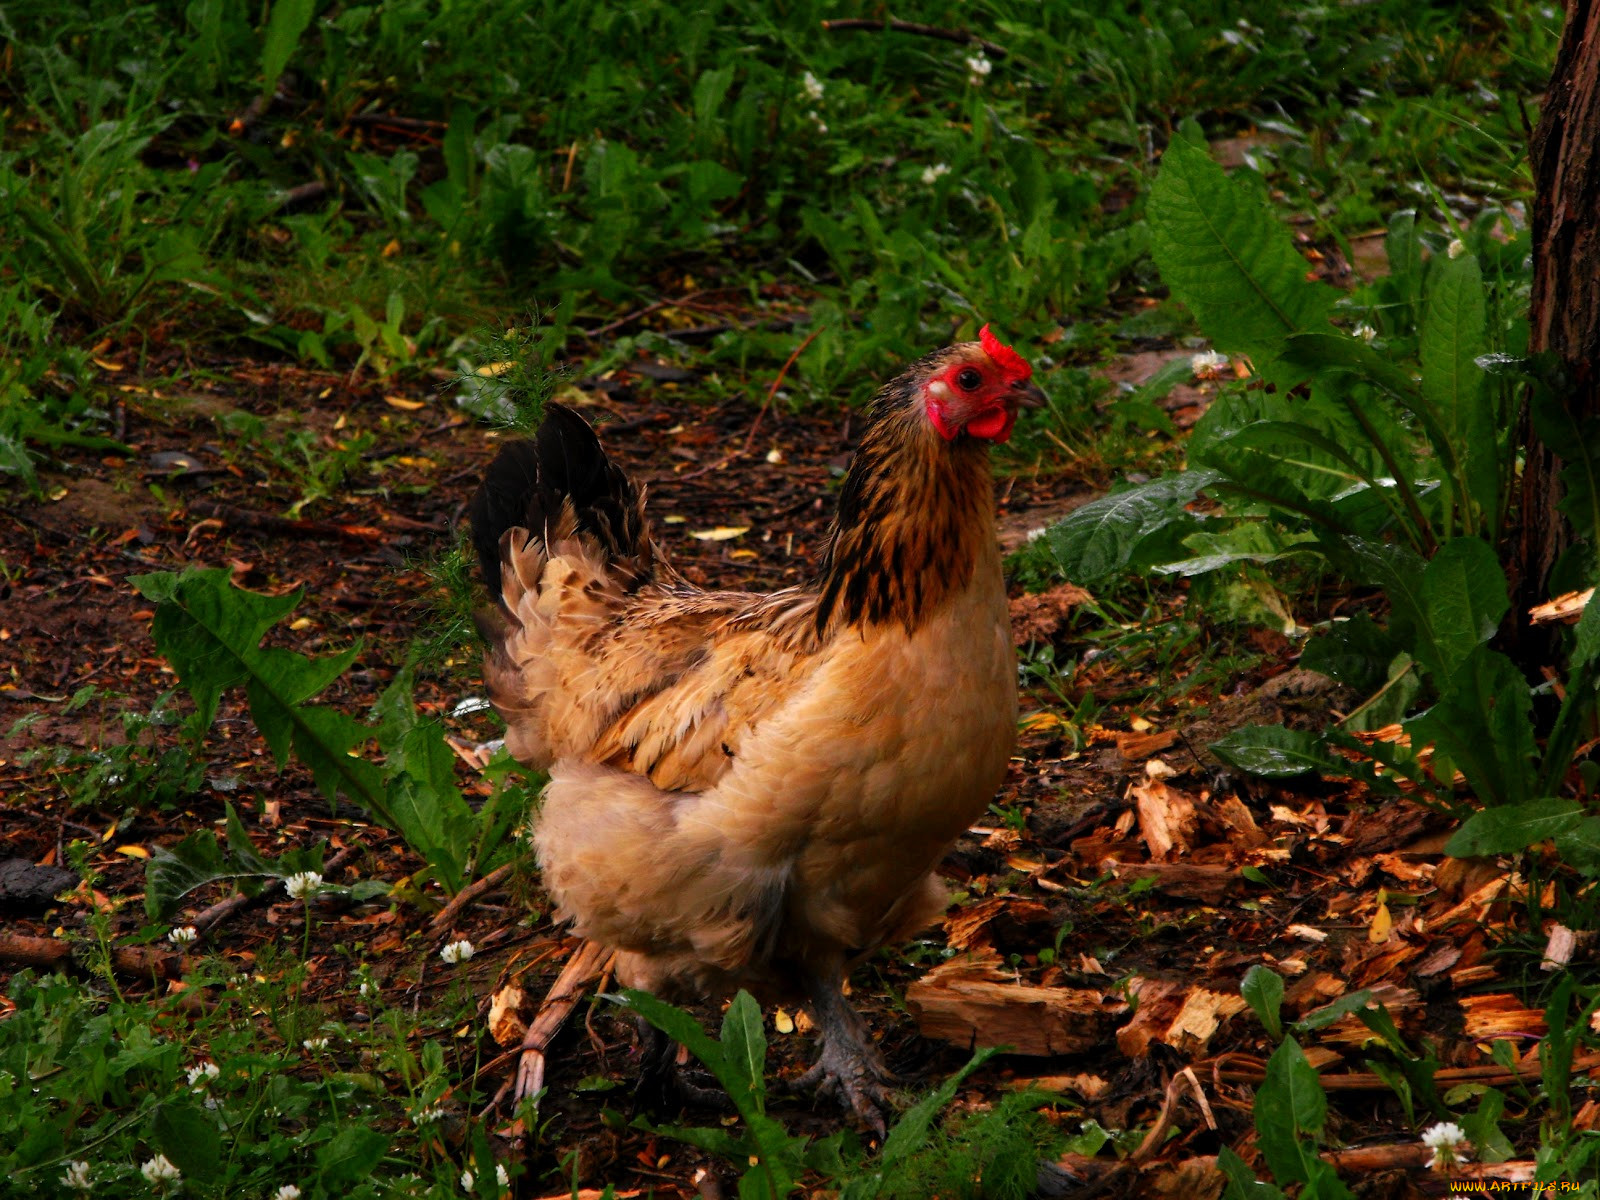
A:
972, 1001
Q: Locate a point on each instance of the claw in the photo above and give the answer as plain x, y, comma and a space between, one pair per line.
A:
850, 1069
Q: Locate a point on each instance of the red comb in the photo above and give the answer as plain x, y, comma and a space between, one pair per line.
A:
1008, 360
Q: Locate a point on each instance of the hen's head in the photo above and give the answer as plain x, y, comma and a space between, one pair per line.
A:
973, 389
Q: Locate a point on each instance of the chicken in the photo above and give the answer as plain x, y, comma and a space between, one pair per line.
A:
752, 791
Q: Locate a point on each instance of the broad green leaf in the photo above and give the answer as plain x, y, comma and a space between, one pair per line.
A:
1356, 653
1483, 724
744, 1046
211, 633
1464, 599
1351, 1002
1098, 540
351, 1155
684, 1029
1275, 752
1586, 639
288, 21
1453, 333
1403, 285
1262, 989
1242, 1183
1224, 256
1512, 828
189, 1138
1290, 1111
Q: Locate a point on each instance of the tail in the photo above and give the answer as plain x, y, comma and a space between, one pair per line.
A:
560, 485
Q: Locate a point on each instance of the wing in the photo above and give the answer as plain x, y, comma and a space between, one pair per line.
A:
661, 681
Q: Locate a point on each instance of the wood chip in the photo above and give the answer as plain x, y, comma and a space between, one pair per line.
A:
1499, 1015
1188, 881
972, 1001
1176, 1014
1558, 949
1166, 818
1567, 608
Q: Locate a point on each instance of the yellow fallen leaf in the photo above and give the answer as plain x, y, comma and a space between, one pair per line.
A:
425, 464
494, 369
1382, 923
1139, 725
106, 365
392, 250
1037, 721
782, 1022
743, 554
402, 403
300, 623
133, 851
674, 519
722, 533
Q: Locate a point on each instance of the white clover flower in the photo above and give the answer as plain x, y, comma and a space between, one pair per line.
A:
315, 1044
77, 1177
287, 1192
183, 935
822, 126
466, 1181
203, 1074
812, 87
160, 1171
978, 68
1448, 1141
500, 1176
302, 885
1209, 364
427, 1116
932, 174
457, 952
368, 989
1455, 249
1364, 331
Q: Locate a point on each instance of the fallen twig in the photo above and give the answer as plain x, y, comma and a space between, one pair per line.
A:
1253, 1071
777, 382
960, 36
446, 916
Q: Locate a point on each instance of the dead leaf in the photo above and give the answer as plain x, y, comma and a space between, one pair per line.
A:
1166, 817
722, 533
506, 1025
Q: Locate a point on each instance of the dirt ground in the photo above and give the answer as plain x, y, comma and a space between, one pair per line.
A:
1126, 869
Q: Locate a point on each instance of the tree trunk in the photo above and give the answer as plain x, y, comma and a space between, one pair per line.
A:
1565, 313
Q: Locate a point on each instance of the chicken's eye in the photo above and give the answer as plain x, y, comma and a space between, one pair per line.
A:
968, 379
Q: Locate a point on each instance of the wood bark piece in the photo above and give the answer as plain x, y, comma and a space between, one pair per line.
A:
972, 1001
1176, 1014
1498, 1016
1254, 1071
1566, 608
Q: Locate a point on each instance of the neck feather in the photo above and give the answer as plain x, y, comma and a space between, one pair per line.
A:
915, 515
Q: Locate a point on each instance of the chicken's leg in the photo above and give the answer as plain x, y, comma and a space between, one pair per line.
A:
850, 1067
663, 1086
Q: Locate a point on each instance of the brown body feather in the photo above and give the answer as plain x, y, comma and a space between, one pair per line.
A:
746, 788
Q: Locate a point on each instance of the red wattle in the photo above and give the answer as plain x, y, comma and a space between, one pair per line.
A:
994, 425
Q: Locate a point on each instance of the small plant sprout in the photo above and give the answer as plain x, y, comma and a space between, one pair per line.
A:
978, 68
202, 1075
931, 174
160, 1173
303, 884
287, 1192
1449, 1144
457, 952
812, 86
183, 935
1208, 365
77, 1177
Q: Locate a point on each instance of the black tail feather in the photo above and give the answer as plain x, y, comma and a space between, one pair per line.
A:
528, 480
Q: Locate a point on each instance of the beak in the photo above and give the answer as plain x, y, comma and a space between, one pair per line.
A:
1029, 396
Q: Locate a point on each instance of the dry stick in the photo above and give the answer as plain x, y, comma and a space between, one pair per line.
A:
960, 36
446, 916
749, 438
24, 951
1358, 1081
